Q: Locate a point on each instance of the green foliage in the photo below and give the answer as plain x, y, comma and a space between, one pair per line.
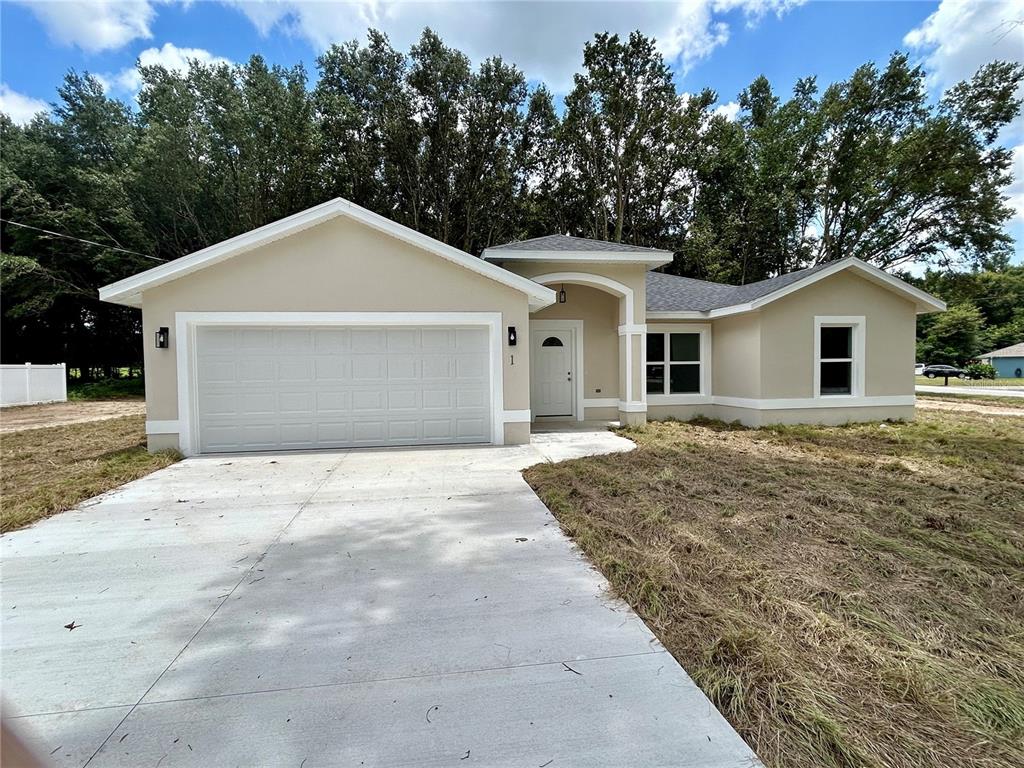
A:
954, 337
980, 371
998, 295
473, 156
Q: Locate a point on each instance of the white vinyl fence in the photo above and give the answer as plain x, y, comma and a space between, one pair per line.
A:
25, 384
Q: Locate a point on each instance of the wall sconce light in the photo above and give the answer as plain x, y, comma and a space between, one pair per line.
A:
163, 337
511, 335
561, 295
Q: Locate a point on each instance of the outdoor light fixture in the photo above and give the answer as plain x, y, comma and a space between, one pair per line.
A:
163, 337
561, 295
511, 335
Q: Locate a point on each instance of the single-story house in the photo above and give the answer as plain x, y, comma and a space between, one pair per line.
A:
337, 327
1008, 361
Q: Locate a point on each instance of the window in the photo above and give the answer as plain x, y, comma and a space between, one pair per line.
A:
673, 363
839, 355
551, 341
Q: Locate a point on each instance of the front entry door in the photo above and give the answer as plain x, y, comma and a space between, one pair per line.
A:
552, 385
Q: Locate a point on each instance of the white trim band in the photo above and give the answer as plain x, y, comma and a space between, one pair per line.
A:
835, 401
632, 407
516, 417
166, 427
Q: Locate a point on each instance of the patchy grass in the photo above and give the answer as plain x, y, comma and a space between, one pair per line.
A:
107, 389
1005, 402
846, 596
955, 382
53, 469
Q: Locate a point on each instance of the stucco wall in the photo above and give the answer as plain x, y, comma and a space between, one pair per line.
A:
599, 312
736, 356
787, 336
337, 266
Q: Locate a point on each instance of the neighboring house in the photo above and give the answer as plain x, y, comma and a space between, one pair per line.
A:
337, 327
1008, 361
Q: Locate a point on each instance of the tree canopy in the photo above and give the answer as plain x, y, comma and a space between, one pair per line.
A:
474, 156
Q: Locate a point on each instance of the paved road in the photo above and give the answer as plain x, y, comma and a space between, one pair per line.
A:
362, 608
952, 389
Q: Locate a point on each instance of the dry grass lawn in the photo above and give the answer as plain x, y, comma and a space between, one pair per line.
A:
53, 469
848, 596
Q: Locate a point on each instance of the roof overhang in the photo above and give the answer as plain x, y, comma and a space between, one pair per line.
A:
650, 259
924, 302
129, 291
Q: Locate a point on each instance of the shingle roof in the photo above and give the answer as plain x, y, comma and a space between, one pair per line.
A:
566, 243
669, 293
1014, 350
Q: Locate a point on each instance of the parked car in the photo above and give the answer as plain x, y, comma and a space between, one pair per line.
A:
943, 371
919, 368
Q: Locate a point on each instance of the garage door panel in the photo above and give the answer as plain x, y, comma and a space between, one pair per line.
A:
332, 340
256, 370
437, 340
316, 387
369, 368
435, 399
255, 340
438, 367
467, 367
332, 402
332, 367
368, 340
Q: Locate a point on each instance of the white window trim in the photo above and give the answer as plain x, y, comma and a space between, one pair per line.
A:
857, 323
692, 398
186, 323
575, 329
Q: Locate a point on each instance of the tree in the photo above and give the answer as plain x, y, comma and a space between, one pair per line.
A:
954, 337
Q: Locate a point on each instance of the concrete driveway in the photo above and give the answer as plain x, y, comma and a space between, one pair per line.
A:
360, 608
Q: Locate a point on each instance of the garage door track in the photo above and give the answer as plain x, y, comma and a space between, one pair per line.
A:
361, 608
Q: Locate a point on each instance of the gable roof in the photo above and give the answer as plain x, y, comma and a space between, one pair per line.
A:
129, 291
1014, 350
669, 295
568, 248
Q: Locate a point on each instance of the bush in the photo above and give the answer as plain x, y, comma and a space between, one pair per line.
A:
980, 371
107, 389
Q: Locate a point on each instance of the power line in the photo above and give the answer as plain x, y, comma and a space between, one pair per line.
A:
80, 240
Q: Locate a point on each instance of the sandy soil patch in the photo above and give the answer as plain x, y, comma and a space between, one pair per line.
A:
17, 418
952, 405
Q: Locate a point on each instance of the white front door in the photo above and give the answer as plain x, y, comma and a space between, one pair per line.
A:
551, 386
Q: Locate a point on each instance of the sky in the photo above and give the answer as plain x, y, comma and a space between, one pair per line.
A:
720, 44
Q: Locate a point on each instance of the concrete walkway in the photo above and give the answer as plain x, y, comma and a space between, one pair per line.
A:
364, 608
952, 389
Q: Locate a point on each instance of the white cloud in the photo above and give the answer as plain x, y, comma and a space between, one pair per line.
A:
19, 107
545, 39
964, 34
128, 81
1016, 190
728, 111
94, 25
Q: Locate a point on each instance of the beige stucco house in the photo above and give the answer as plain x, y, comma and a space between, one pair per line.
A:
337, 327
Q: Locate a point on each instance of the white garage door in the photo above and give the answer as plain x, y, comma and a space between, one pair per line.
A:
267, 388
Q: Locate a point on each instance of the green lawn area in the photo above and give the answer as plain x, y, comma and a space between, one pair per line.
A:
107, 389
846, 596
53, 469
922, 380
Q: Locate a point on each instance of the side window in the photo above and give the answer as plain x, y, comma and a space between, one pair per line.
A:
835, 360
673, 363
